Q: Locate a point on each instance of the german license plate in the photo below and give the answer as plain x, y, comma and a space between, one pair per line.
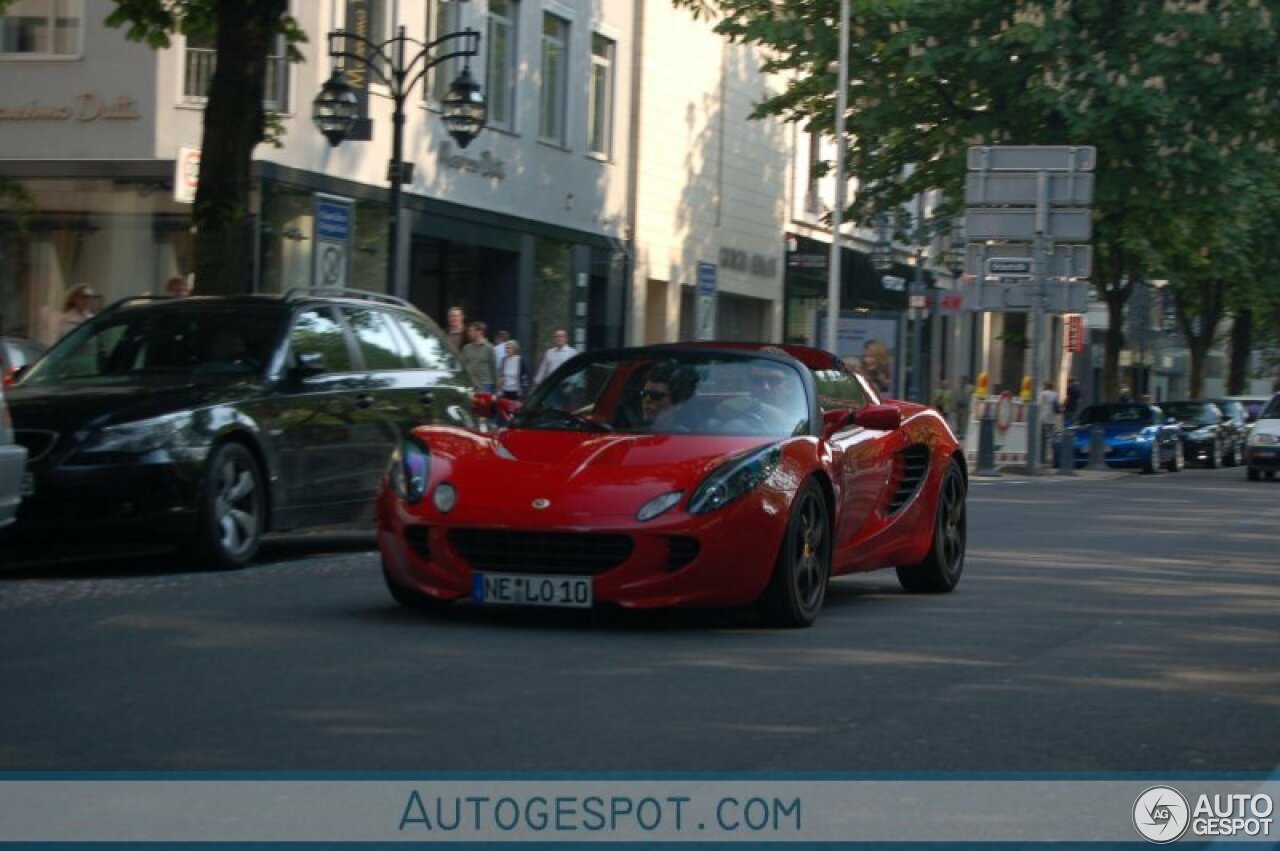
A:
529, 590
28, 484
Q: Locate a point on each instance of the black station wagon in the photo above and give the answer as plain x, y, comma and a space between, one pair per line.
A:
207, 421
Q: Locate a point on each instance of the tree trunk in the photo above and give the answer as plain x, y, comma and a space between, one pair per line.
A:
1241, 344
1199, 349
234, 124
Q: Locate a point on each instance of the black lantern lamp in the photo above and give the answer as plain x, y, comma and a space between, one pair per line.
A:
334, 111
463, 109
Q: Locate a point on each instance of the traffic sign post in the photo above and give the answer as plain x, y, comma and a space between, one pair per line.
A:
1036, 198
334, 219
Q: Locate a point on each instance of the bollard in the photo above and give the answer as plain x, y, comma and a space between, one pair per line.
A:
1097, 449
987, 444
1066, 453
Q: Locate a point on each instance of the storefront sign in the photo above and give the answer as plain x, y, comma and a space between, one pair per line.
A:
85, 107
753, 264
486, 165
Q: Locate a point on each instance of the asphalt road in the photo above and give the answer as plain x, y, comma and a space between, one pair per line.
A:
1122, 623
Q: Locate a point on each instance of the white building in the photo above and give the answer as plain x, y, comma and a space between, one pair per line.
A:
524, 228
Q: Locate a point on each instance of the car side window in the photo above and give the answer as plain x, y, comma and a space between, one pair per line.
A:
317, 331
432, 351
379, 344
838, 389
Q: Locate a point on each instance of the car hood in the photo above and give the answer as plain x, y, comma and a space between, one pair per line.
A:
575, 477
72, 407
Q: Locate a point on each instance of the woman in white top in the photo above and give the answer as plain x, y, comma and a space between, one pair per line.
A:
511, 379
76, 308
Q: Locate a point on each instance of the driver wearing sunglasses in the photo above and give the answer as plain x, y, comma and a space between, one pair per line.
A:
666, 387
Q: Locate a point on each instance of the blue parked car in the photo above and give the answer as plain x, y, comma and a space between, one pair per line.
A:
1136, 435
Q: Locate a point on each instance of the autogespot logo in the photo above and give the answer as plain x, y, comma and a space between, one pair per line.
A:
1161, 815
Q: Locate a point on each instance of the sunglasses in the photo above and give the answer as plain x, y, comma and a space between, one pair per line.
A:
654, 395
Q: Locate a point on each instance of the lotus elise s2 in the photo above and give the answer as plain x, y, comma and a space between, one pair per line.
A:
699, 475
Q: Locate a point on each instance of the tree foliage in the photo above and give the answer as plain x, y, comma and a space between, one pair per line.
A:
245, 32
1179, 97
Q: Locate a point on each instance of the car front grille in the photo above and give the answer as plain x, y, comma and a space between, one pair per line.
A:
582, 553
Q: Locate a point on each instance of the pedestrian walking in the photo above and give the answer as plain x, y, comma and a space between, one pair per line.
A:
457, 330
77, 306
1050, 407
963, 401
477, 357
559, 352
944, 400
513, 380
1071, 404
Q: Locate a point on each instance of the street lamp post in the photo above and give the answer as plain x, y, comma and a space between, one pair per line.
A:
463, 109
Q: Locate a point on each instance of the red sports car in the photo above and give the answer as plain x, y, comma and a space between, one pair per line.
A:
678, 475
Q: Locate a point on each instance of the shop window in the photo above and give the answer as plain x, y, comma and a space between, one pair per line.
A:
443, 17
42, 28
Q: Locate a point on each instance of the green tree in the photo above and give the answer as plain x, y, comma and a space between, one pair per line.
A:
235, 122
1175, 95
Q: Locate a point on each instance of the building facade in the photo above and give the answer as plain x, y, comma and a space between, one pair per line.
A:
524, 228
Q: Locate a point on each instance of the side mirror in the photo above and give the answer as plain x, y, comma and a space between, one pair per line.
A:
482, 404
307, 364
833, 421
879, 417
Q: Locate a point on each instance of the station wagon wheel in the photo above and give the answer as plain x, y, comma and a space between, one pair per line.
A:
233, 510
940, 571
799, 584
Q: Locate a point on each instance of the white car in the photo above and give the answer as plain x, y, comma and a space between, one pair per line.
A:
1262, 450
13, 467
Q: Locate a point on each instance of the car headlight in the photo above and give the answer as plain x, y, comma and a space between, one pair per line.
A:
136, 438
410, 470
1201, 434
1256, 439
735, 478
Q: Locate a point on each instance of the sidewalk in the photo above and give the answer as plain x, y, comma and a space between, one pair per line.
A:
1046, 472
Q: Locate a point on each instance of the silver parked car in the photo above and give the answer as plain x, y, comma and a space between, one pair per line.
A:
13, 467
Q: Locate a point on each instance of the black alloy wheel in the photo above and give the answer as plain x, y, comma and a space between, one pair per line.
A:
940, 571
798, 587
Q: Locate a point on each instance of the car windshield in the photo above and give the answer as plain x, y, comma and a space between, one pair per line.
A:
1272, 411
673, 392
1192, 412
131, 343
1104, 414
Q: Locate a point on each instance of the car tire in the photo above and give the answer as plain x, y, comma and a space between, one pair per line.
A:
940, 571
1253, 474
798, 586
232, 511
411, 598
1215, 456
1178, 461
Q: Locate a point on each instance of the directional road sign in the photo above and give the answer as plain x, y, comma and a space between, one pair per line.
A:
1065, 224
1032, 158
1019, 188
1067, 261
1017, 297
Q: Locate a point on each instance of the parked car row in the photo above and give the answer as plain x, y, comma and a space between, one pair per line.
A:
1167, 436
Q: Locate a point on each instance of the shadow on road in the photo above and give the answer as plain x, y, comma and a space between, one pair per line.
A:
100, 560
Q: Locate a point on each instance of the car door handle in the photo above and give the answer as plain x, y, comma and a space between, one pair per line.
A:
364, 401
